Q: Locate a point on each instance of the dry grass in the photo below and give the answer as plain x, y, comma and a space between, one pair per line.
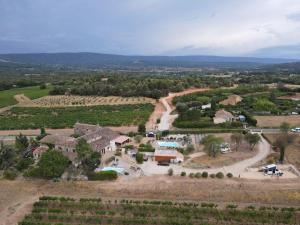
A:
206, 161
292, 153
276, 121
65, 101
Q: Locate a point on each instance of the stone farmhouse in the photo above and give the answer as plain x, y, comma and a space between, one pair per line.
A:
101, 139
223, 116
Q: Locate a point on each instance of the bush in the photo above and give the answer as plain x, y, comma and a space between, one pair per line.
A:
220, 175
10, 174
146, 148
103, 175
231, 206
192, 175
212, 175
139, 157
51, 165
198, 175
229, 175
204, 174
24, 164
170, 172
183, 174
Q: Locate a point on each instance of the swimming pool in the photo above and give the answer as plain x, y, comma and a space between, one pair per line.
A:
168, 144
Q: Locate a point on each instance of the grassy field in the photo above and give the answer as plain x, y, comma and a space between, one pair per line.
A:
106, 115
60, 210
7, 96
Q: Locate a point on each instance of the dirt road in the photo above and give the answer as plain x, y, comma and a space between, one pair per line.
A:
239, 169
167, 119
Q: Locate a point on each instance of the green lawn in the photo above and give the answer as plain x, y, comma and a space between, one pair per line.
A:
7, 96
105, 115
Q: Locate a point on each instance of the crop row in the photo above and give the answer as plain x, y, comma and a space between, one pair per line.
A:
56, 210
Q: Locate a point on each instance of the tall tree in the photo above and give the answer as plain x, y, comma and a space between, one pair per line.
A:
237, 138
212, 145
83, 149
285, 127
281, 143
7, 156
21, 142
252, 139
52, 164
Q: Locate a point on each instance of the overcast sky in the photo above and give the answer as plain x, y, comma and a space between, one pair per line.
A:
152, 27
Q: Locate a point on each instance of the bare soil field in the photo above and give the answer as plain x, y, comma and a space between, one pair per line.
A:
206, 161
276, 121
17, 197
292, 153
72, 100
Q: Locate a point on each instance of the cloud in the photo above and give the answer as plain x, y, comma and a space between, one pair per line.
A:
215, 27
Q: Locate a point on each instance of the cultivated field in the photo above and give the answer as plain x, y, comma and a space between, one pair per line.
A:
72, 100
106, 115
17, 197
7, 97
62, 210
276, 121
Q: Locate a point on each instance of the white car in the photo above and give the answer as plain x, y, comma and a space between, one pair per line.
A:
297, 130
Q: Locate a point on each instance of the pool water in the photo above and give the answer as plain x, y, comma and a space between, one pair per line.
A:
168, 144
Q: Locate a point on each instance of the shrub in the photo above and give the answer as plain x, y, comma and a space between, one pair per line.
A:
146, 148
251, 207
212, 175
10, 174
220, 175
24, 164
183, 174
229, 175
139, 157
192, 175
204, 174
170, 172
198, 175
103, 175
231, 206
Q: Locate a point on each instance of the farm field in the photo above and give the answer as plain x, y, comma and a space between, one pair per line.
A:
17, 197
64, 210
73, 100
66, 117
276, 121
7, 96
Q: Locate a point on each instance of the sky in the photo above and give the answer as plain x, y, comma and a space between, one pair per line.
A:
263, 28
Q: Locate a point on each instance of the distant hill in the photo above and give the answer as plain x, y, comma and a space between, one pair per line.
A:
97, 60
293, 67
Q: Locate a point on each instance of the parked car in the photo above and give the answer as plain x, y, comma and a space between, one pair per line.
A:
297, 130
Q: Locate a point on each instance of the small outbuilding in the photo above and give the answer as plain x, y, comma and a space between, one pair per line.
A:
168, 156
